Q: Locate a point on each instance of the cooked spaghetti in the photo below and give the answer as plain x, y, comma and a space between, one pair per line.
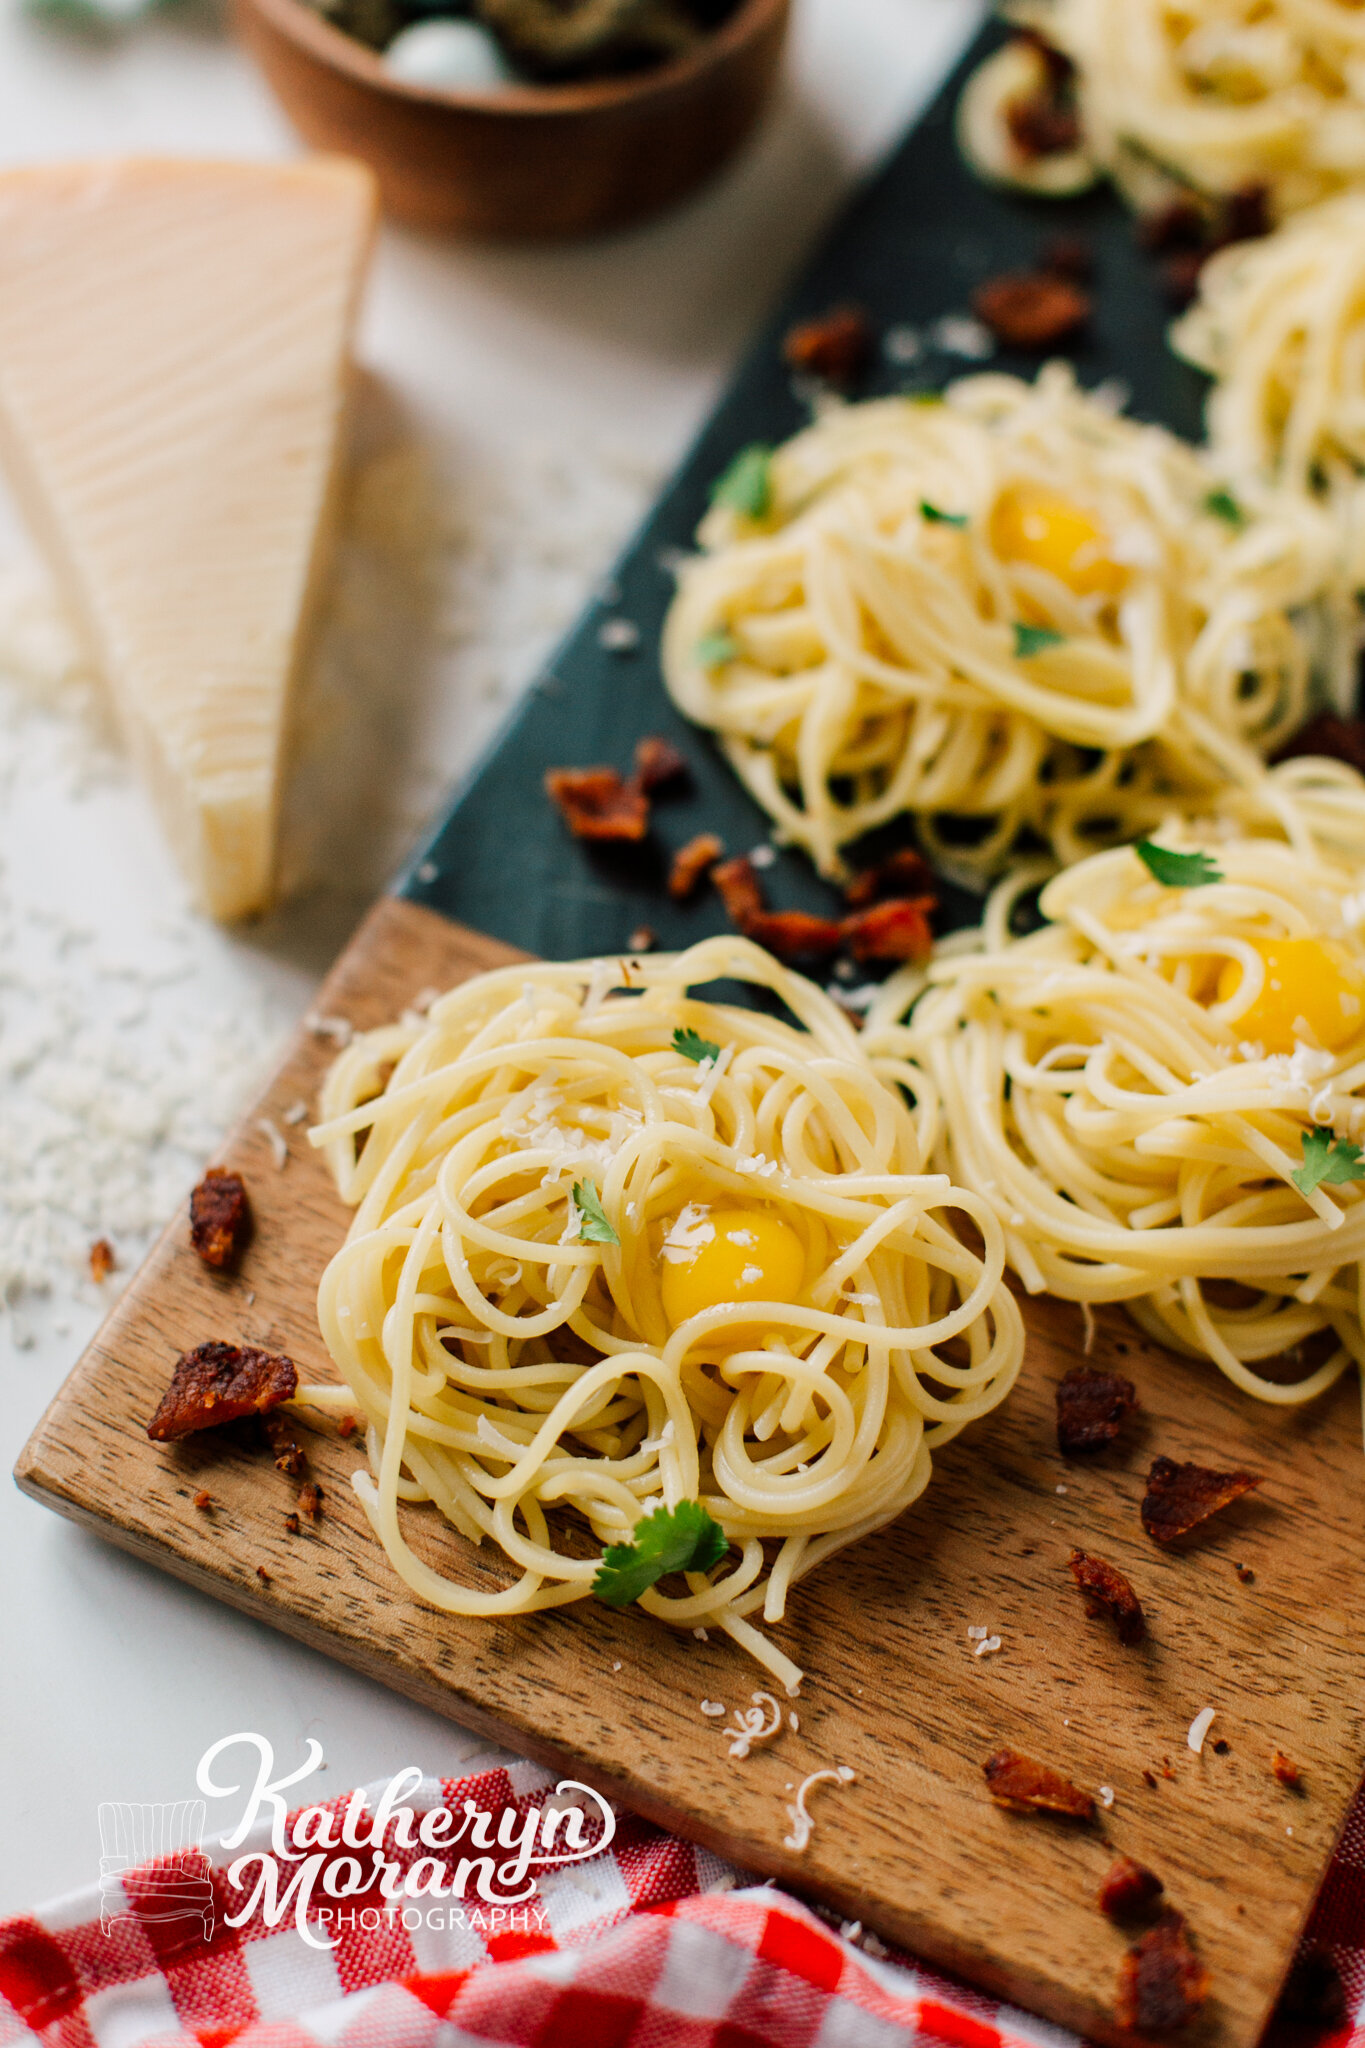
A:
1216, 95
1161, 1093
617, 1248
1013, 612
1280, 325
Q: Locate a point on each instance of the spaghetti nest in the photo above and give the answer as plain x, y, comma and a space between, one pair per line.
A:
1162, 1094
1280, 324
1013, 612
616, 1248
1216, 95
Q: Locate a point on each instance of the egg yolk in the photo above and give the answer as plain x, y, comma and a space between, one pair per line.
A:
1032, 526
1311, 982
731, 1254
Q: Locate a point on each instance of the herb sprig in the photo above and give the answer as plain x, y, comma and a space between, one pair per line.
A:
1031, 640
1327, 1161
594, 1224
746, 486
693, 1046
1177, 870
681, 1539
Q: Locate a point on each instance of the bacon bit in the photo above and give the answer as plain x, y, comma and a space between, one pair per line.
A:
310, 1499
347, 1426
203, 1501
691, 862
1329, 736
1180, 276
1180, 1497
1286, 1771
1041, 124
291, 1523
1166, 1770
220, 1217
596, 804
1129, 1890
287, 1450
1031, 309
1069, 256
1162, 1982
1091, 1406
1221, 1746
1245, 1574
1179, 224
793, 934
658, 764
1105, 1590
837, 347
1246, 214
263, 1575
738, 885
217, 1383
895, 930
904, 873
1018, 1782
641, 939
101, 1260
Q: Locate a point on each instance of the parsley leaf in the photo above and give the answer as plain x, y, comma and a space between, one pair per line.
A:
1033, 639
681, 1539
1224, 506
937, 518
1177, 870
713, 650
594, 1225
1327, 1160
746, 486
693, 1047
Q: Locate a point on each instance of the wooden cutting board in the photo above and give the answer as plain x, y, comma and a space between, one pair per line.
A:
914, 1848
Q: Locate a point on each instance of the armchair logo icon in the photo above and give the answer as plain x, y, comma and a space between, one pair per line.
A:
157, 1848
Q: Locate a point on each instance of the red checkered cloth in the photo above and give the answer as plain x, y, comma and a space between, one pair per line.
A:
651, 1944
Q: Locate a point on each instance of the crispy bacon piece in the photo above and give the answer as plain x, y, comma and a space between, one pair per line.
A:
1180, 276
1129, 1890
794, 934
1069, 256
1162, 1982
1042, 123
895, 930
904, 873
203, 1501
740, 890
1246, 214
1180, 1497
691, 862
1029, 1787
1339, 739
1287, 1771
101, 1260
291, 1523
264, 1576
1179, 224
836, 347
1105, 1590
347, 1426
1091, 1406
596, 804
1031, 309
220, 1217
658, 764
285, 1446
310, 1499
217, 1383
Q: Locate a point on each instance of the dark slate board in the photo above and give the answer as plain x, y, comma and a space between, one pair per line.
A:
910, 247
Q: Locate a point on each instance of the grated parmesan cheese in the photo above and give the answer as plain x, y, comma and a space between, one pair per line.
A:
1199, 1728
714, 1708
275, 1138
802, 1825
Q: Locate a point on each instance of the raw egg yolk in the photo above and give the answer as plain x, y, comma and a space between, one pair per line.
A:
714, 1255
1032, 526
1313, 981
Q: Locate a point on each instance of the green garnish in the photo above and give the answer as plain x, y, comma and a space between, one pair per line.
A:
693, 1046
680, 1539
1224, 506
1329, 1160
1177, 870
1033, 639
937, 518
746, 486
594, 1225
713, 650
925, 397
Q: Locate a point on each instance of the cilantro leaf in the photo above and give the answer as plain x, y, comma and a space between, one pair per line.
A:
713, 650
1224, 506
594, 1225
1177, 870
693, 1047
746, 486
936, 517
1327, 1161
681, 1539
1033, 639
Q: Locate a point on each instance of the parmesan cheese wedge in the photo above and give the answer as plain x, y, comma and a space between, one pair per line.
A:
174, 367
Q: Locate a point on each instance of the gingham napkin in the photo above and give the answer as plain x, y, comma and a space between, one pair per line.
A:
651, 1944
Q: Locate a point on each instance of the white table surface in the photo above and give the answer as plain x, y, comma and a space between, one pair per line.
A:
580, 372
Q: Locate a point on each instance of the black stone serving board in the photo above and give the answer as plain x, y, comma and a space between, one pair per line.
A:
910, 248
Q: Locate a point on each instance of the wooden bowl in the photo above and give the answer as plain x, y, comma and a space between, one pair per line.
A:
531, 162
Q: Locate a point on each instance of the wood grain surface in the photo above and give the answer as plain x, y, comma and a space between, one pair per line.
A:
914, 1847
